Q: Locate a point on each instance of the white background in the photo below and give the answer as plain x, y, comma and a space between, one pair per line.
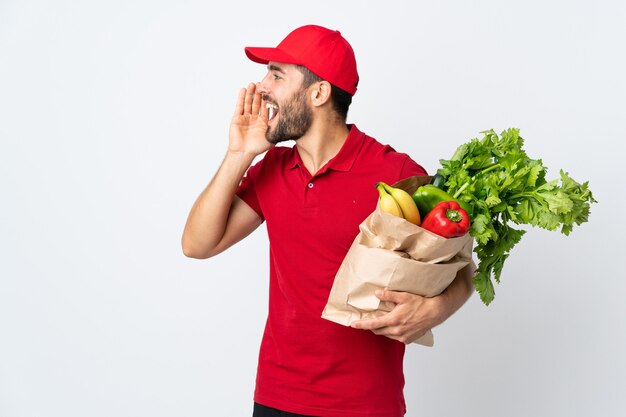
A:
114, 116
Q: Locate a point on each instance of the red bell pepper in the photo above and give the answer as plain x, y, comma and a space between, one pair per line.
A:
447, 219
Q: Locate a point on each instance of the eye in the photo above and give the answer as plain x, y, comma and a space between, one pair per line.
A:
276, 76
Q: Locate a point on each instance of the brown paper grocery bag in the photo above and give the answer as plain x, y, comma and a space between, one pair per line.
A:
390, 252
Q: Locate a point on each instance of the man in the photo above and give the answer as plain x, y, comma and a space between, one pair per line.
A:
312, 197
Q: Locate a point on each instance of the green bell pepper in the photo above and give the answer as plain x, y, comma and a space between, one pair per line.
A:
428, 196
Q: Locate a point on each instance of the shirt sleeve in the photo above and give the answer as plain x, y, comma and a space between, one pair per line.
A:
411, 168
247, 191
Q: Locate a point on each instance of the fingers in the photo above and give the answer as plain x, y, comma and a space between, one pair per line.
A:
392, 296
249, 102
265, 112
240, 100
385, 320
382, 327
406, 322
250, 93
256, 100
370, 324
390, 328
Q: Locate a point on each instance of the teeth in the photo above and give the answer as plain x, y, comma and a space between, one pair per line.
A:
272, 108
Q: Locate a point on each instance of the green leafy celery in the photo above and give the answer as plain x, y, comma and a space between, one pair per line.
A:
506, 187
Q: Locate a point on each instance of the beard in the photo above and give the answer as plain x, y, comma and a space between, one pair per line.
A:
295, 119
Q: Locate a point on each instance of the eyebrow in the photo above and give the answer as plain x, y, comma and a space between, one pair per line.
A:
273, 67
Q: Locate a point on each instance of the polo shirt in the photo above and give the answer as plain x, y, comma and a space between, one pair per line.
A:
307, 364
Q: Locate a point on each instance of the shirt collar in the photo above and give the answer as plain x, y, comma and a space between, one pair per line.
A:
344, 159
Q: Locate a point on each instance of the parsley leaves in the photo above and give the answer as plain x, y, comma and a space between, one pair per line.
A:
506, 187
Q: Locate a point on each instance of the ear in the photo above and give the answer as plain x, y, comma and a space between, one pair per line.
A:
320, 93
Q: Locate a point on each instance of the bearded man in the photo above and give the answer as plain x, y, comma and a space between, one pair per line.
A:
313, 196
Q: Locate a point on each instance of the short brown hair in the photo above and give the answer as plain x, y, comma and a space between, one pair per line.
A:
341, 99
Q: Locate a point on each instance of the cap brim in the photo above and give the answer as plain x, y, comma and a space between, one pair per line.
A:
265, 55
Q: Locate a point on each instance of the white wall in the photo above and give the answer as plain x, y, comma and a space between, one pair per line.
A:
114, 115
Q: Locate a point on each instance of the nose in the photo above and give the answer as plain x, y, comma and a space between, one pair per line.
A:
263, 86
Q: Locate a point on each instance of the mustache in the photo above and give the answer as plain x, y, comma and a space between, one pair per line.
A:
267, 98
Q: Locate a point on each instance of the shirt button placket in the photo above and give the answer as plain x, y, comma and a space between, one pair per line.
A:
310, 198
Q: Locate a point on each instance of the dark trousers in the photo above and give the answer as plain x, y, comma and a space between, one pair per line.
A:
263, 411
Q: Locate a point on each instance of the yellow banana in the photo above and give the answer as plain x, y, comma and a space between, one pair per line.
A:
406, 203
386, 202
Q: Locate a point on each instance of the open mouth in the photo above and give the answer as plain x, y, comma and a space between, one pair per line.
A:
273, 110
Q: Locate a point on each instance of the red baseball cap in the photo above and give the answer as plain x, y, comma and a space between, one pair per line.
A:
323, 51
